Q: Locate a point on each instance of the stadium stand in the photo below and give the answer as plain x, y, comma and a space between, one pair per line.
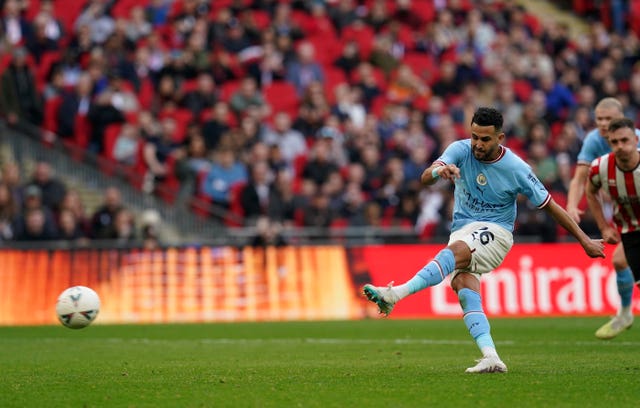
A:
135, 73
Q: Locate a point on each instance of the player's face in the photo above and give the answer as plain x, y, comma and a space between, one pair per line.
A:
624, 144
603, 117
485, 142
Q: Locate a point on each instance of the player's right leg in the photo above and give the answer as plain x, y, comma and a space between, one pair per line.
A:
625, 283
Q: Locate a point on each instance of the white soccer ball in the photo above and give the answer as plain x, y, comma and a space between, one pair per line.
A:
77, 307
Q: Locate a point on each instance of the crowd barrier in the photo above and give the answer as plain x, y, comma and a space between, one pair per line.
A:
215, 284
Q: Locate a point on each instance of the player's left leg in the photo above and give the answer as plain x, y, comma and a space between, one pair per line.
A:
489, 244
467, 286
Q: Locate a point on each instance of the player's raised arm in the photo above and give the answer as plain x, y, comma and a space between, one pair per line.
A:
438, 170
576, 191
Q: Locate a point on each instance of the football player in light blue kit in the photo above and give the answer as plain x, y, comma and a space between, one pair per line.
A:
595, 145
488, 178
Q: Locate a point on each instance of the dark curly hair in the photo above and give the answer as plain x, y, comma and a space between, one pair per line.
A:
485, 116
620, 123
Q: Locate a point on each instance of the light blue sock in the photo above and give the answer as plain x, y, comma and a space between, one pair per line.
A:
625, 281
431, 274
475, 319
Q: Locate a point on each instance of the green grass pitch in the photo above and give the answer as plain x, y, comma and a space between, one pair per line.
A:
371, 363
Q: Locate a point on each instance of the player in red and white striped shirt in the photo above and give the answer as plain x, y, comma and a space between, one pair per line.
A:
618, 175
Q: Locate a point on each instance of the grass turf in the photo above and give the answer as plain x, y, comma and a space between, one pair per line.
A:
377, 363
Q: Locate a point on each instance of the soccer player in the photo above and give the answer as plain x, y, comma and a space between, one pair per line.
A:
618, 174
488, 178
595, 145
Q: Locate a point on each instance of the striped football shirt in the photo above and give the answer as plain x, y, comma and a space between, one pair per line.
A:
623, 187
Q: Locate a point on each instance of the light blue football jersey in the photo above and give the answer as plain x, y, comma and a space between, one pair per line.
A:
487, 191
594, 146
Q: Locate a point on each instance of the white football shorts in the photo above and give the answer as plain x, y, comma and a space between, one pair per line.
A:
489, 244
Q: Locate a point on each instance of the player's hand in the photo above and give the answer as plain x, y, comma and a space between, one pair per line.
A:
594, 248
575, 213
611, 235
449, 172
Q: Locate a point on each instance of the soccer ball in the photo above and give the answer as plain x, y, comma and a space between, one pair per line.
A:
77, 307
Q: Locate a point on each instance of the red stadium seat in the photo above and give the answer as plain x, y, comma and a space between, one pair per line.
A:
282, 97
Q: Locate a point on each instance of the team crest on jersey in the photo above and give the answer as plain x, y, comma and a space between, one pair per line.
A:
481, 179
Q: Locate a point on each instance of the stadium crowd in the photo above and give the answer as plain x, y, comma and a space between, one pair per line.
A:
314, 113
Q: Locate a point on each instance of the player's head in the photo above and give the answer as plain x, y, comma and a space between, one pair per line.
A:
486, 133
623, 140
606, 110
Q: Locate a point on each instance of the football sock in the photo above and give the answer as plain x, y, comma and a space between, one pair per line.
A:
625, 282
476, 320
430, 275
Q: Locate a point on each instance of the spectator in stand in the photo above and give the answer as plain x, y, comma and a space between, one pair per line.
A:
269, 67
167, 93
235, 38
320, 164
35, 221
365, 79
379, 15
39, 42
559, 99
405, 87
158, 12
20, 101
225, 172
193, 160
12, 177
448, 84
349, 106
70, 229
95, 16
73, 202
408, 210
156, 153
75, 103
122, 97
382, 55
35, 227
255, 197
352, 206
393, 184
203, 97
102, 220
283, 201
102, 113
304, 70
343, 14
125, 149
52, 188
330, 132
215, 127
249, 95
251, 131
349, 58
290, 141
268, 233
283, 22
318, 213
137, 25
8, 211
13, 26
314, 108
124, 227
371, 159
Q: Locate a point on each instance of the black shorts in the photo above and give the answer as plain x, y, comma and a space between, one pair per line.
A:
631, 245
